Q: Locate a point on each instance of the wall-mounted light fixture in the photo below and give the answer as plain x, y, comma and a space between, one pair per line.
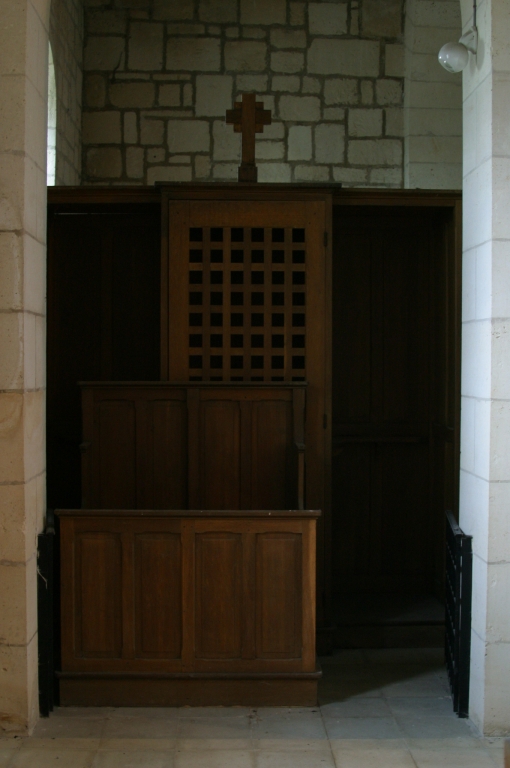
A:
455, 56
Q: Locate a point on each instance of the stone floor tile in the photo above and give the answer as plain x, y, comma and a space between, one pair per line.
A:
364, 754
62, 743
155, 745
452, 758
194, 712
82, 712
422, 706
357, 707
215, 733
294, 726
69, 727
133, 759
45, 758
293, 745
140, 728
426, 684
362, 728
217, 759
394, 656
433, 727
301, 759
154, 713
348, 689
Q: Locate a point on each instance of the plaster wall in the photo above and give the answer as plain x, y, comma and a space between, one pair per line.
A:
432, 98
485, 428
23, 113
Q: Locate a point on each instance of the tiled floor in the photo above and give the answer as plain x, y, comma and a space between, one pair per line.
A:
379, 709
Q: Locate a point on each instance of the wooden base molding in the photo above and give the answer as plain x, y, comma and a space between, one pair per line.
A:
293, 690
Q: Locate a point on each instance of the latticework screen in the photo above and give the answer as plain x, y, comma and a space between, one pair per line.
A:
247, 303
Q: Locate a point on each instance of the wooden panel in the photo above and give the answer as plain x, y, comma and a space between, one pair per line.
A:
220, 454
99, 595
271, 443
115, 465
158, 595
279, 595
167, 425
218, 625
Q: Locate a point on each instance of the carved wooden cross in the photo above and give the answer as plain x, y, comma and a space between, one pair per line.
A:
248, 118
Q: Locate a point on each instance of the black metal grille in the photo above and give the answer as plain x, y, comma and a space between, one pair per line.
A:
459, 568
45, 615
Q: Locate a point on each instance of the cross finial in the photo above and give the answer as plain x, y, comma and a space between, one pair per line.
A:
248, 118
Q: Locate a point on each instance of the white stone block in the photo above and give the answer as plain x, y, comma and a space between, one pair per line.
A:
173, 10
155, 155
130, 128
365, 122
193, 54
169, 95
394, 60
435, 95
277, 173
254, 33
335, 114
169, 173
341, 91
132, 94
274, 131
434, 176
288, 83
386, 177
285, 61
329, 143
358, 58
476, 359
288, 38
327, 18
350, 175
388, 92
300, 142
104, 163
213, 95
101, 128
202, 167
436, 149
382, 19
394, 122
95, 91
312, 173
226, 143
145, 47
367, 92
134, 162
188, 136
263, 11
251, 83
311, 85
245, 56
269, 150
225, 171
104, 22
104, 53
434, 122
151, 131
297, 14
299, 108
429, 13
219, 11
375, 152
187, 95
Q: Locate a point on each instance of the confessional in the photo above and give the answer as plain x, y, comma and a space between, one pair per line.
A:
188, 575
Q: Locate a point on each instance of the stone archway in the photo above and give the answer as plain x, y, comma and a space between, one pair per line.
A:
23, 79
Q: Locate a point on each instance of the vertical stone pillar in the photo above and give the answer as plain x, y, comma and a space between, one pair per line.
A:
485, 458
23, 86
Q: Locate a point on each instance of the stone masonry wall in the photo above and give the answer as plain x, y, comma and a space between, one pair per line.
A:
66, 38
160, 74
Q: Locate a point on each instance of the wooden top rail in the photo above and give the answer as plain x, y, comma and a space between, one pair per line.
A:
260, 513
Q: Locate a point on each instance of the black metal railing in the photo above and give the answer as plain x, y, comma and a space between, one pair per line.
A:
45, 616
459, 572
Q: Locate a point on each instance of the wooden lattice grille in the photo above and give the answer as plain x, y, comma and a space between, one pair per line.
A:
247, 304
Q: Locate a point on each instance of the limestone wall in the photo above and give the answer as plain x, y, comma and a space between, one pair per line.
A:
433, 97
66, 38
159, 75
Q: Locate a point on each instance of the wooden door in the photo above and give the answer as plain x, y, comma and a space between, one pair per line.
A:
246, 297
393, 398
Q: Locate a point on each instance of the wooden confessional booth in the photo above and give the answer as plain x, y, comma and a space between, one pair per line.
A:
188, 575
190, 338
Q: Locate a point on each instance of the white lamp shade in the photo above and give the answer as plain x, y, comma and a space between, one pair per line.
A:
453, 57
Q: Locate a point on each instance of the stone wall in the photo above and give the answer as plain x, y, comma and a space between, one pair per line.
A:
159, 75
433, 97
66, 38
